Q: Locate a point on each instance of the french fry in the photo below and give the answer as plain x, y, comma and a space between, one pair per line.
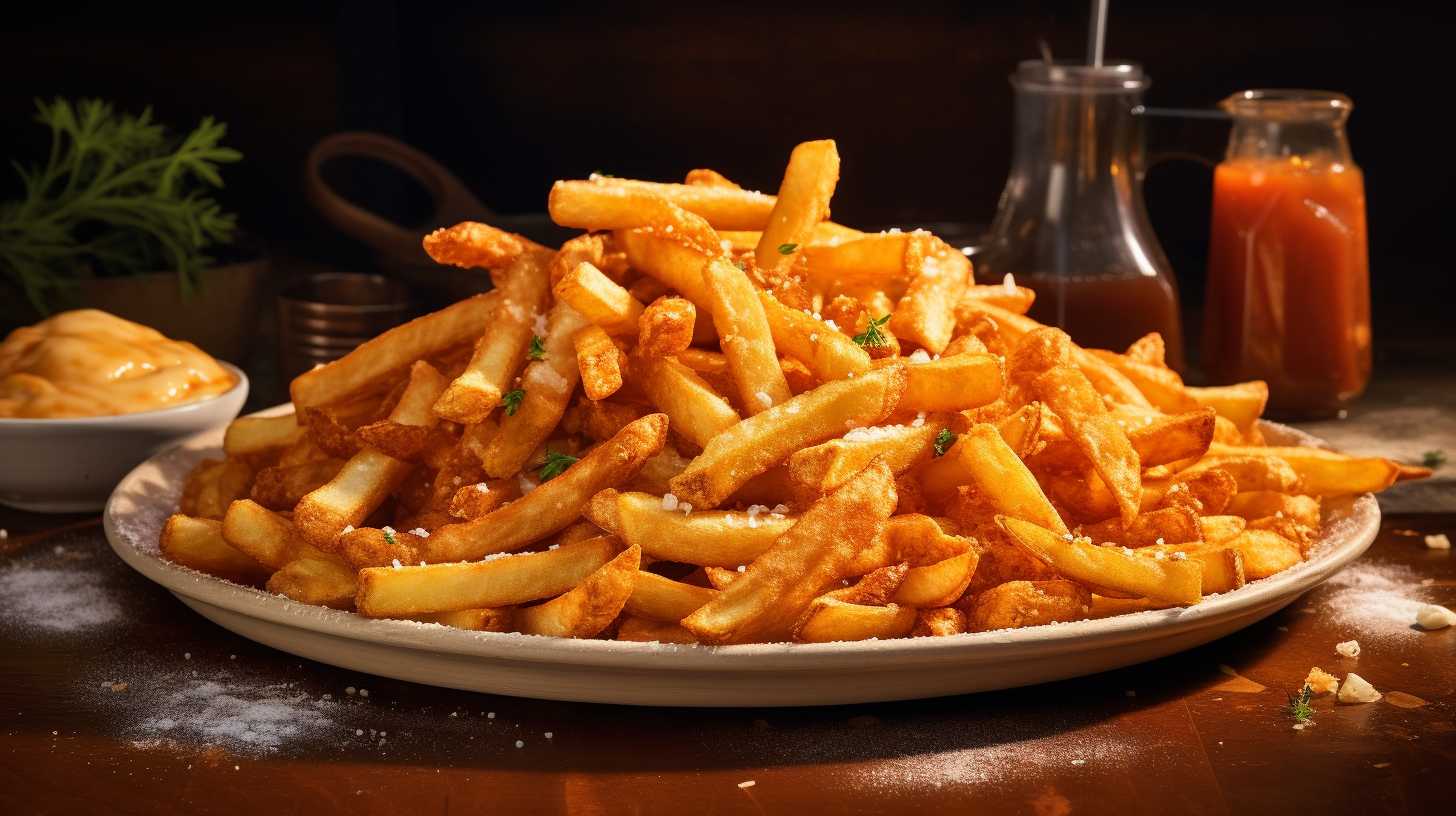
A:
588, 608
754, 445
678, 266
198, 543
586, 249
821, 468
982, 459
1015, 604
394, 351
939, 584
1223, 566
253, 436
475, 620
829, 619
926, 314
803, 201
651, 631
547, 383
875, 260
502, 346
658, 471
1006, 295
1069, 393
1169, 525
1109, 568
599, 299
407, 592
743, 330
600, 205
664, 532
723, 207
1160, 441
1161, 385
696, 411
599, 361
939, 622
1257, 504
472, 245
281, 487
1220, 529
780, 584
952, 383
1322, 472
1265, 553
665, 328
1242, 403
663, 599
368, 478
263, 535
829, 354
322, 580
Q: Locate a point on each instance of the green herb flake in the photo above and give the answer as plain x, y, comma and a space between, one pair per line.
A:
538, 349
1433, 458
872, 336
555, 464
943, 441
512, 401
788, 249
389, 536
1299, 707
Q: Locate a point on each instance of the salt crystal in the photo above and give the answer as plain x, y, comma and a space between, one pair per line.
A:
813, 337
421, 532
669, 502
763, 397
747, 783
831, 324
389, 531
1438, 542
490, 716
363, 692
1079, 762
351, 691
538, 324
1009, 282
685, 507
1349, 648
186, 655
520, 744
779, 509
1159, 541
4, 533
919, 420
1180, 556
348, 528
482, 487
358, 732
1434, 616
1357, 689
742, 567
397, 565
920, 356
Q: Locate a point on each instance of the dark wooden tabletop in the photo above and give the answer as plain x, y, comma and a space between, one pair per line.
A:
115, 698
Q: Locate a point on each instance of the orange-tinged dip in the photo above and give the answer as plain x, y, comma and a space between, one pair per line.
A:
89, 363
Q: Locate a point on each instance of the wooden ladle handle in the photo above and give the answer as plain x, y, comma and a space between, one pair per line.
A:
452, 201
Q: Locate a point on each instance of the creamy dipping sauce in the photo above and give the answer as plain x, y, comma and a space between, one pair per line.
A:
88, 363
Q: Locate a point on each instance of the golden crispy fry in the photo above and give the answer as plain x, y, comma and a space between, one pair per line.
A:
587, 249
281, 487
1068, 392
941, 622
876, 260
1158, 441
696, 411
677, 266
263, 535
599, 299
744, 334
599, 361
874, 589
780, 584
1169, 525
926, 314
1015, 604
828, 353
1265, 553
1256, 504
393, 352
829, 619
821, 468
939, 584
588, 608
1223, 565
1109, 568
723, 207
952, 383
601, 205
322, 580
982, 459
710, 178
803, 201
1243, 403
1013, 298
666, 327
668, 531
407, 592
754, 445
471, 501
663, 599
1249, 472
1220, 529
256, 436
1322, 472
502, 346
405, 442
651, 631
547, 386
216, 486
471, 245
198, 543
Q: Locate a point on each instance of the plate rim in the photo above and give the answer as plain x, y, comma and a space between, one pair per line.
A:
1035, 642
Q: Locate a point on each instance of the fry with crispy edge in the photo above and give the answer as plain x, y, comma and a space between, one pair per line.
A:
368, 478
1109, 568
472, 245
1071, 396
803, 201
589, 607
599, 299
260, 435
756, 444
830, 619
406, 592
926, 314
955, 383
829, 353
983, 460
716, 538
598, 205
780, 584
599, 362
1323, 472
823, 467
198, 543
697, 412
547, 384
663, 599
743, 331
723, 207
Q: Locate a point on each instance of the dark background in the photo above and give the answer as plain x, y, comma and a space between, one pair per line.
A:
513, 97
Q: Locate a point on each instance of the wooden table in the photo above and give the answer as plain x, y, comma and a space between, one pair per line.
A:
1206, 731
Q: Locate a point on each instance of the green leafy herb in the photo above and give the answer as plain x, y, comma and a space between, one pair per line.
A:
389, 536
872, 336
512, 401
788, 249
555, 464
943, 441
1299, 707
1433, 458
116, 196
538, 350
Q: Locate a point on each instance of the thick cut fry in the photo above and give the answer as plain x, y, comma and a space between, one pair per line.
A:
803, 201
743, 331
588, 608
368, 478
939, 622
1170, 525
376, 360
830, 619
547, 383
1068, 393
502, 346
260, 436
823, 467
1322, 472
666, 327
952, 383
1223, 566
667, 531
321, 580
599, 361
756, 444
982, 459
1015, 604
1263, 503
678, 266
939, 584
1006, 295
552, 505
219, 486
780, 584
829, 354
599, 299
476, 620
472, 245
697, 412
198, 543
1220, 529
643, 630
263, 535
1242, 403
1109, 568
658, 471
723, 207
926, 314
1265, 553
406, 592
1159, 441
281, 487
1249, 473
876, 260
595, 205
663, 599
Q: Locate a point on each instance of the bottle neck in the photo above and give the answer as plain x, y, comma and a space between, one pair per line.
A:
1089, 138
1261, 138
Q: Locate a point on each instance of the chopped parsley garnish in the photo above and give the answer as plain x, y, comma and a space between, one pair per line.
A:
943, 441
538, 349
389, 536
872, 336
1299, 707
555, 464
1433, 458
788, 249
512, 401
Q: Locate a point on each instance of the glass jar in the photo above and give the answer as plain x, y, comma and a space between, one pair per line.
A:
1288, 269
1071, 223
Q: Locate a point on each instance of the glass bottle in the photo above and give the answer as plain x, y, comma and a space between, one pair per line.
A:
1071, 223
1288, 267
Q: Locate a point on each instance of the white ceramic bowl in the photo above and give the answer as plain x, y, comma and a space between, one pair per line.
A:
71, 465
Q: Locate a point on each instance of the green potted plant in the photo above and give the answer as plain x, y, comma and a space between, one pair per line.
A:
120, 217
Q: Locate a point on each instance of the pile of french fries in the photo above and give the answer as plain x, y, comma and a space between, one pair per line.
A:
719, 417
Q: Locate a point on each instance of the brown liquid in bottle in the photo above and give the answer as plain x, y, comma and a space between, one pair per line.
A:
1109, 312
